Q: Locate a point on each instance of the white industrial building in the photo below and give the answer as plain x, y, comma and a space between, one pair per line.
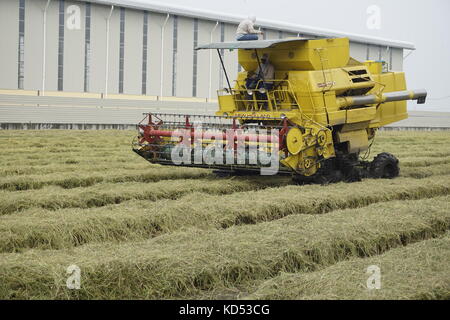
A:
105, 62
122, 47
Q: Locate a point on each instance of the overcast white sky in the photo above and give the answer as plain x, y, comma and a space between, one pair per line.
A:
426, 23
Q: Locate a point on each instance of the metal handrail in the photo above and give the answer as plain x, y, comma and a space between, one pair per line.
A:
271, 95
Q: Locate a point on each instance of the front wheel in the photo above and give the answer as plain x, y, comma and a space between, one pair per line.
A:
384, 166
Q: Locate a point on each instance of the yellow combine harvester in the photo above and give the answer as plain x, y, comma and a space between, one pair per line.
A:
315, 118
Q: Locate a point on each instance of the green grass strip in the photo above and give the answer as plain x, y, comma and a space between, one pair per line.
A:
188, 262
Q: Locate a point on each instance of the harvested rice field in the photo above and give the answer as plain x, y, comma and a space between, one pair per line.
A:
133, 230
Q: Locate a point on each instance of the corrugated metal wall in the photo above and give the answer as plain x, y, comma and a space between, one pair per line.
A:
74, 51
33, 39
9, 35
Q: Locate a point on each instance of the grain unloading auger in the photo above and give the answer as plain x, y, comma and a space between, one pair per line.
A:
320, 113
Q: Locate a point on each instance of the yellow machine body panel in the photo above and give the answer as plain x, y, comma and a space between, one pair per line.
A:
390, 112
301, 55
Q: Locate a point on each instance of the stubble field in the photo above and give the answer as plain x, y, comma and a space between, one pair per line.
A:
142, 231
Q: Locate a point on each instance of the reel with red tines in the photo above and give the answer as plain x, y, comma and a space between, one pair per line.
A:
148, 140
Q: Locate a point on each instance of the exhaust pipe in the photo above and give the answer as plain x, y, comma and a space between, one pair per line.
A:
419, 95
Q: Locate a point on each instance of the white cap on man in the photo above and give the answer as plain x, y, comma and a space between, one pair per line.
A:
252, 18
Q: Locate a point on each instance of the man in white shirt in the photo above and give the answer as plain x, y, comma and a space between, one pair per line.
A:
246, 30
262, 79
265, 73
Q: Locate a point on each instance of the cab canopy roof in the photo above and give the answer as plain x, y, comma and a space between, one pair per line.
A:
255, 44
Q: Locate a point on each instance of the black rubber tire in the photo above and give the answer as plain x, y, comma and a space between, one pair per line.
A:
327, 174
384, 166
348, 167
329, 178
319, 178
353, 175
